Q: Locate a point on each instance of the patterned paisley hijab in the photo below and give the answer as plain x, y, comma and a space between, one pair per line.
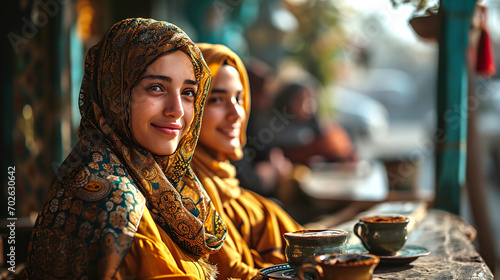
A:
94, 205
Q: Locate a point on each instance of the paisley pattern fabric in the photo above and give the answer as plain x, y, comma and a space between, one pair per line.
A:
94, 205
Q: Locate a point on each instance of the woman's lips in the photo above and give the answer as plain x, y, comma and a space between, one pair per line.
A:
169, 128
231, 132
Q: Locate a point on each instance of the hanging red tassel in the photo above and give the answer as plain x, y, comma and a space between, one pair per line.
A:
485, 62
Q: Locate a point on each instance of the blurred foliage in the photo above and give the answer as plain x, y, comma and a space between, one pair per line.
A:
318, 40
422, 7
314, 43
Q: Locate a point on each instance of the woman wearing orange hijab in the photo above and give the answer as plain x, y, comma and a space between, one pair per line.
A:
255, 224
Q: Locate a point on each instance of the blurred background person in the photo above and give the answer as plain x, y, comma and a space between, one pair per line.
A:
303, 138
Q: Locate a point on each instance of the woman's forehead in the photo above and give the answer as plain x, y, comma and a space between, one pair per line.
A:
172, 63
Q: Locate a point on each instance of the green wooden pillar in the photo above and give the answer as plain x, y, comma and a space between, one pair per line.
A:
452, 103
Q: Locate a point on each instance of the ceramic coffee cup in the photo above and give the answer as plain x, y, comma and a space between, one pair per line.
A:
382, 235
340, 267
303, 245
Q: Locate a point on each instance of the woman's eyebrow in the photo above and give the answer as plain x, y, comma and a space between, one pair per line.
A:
218, 90
158, 77
191, 82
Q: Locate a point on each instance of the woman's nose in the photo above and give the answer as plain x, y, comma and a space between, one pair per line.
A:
173, 106
235, 110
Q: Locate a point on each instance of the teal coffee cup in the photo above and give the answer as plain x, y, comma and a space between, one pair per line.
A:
303, 245
382, 235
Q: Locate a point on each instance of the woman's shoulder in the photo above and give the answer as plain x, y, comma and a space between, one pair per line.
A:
87, 208
98, 190
95, 197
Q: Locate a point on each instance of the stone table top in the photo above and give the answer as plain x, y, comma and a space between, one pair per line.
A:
447, 236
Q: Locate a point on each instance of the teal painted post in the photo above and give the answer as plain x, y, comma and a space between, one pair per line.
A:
76, 58
452, 103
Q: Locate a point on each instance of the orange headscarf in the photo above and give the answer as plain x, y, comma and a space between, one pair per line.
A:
215, 56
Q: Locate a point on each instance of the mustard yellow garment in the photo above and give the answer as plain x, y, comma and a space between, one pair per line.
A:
255, 225
154, 255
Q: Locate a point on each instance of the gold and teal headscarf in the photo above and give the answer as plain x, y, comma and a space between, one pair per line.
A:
93, 207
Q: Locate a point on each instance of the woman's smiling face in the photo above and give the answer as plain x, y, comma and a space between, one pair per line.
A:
224, 113
162, 103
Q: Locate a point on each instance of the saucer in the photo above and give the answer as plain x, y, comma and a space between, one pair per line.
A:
280, 271
405, 255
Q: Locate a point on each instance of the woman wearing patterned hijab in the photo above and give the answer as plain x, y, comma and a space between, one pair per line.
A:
125, 202
255, 224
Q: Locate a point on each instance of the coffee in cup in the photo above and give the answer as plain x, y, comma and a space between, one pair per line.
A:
382, 235
340, 267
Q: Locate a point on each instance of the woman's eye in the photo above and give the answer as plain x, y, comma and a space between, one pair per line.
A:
189, 93
155, 88
239, 99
